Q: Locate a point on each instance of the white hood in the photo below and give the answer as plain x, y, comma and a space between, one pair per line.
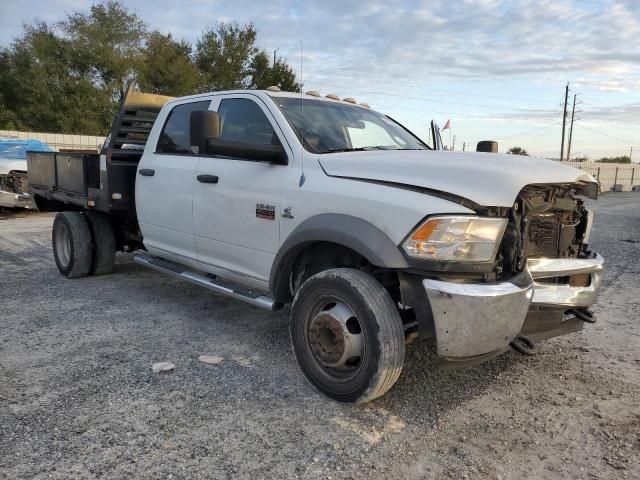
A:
487, 179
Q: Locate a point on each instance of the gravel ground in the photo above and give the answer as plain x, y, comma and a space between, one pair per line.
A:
78, 398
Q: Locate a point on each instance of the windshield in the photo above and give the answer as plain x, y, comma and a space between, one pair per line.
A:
339, 127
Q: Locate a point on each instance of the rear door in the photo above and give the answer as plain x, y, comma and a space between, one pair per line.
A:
164, 186
236, 220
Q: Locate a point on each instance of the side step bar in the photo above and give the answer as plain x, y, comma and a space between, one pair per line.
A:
208, 281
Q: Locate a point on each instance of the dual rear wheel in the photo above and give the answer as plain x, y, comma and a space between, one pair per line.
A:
83, 243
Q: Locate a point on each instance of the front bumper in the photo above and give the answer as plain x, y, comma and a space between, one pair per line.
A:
480, 320
14, 200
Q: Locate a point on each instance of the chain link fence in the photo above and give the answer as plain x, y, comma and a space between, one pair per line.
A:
625, 175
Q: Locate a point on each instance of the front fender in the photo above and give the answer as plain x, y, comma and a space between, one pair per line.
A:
351, 232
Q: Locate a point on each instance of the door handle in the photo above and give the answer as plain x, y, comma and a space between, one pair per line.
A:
147, 172
207, 178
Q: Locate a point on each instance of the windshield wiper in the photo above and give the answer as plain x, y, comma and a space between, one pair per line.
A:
339, 150
359, 149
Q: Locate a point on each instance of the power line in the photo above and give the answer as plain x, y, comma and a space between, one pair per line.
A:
431, 89
449, 113
424, 99
611, 136
529, 131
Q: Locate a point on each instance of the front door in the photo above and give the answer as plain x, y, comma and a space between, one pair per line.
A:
236, 219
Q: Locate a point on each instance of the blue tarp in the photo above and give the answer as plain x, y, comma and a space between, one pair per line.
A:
17, 149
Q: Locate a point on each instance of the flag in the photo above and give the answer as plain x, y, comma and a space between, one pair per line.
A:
447, 125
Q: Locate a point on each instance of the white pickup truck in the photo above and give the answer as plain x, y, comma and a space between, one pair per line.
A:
373, 237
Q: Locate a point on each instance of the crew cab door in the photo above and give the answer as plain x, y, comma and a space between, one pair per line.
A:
164, 186
237, 203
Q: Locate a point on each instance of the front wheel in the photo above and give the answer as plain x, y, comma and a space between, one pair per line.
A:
347, 335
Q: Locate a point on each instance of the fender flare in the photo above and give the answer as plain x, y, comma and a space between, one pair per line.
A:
352, 232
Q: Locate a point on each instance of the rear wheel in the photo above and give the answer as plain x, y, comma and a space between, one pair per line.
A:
104, 241
72, 246
347, 335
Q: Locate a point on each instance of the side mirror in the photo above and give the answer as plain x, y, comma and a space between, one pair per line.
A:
488, 146
248, 151
204, 124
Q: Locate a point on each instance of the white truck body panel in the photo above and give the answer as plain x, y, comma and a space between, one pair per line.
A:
487, 179
215, 226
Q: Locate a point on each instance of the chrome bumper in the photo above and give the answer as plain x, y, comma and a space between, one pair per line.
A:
563, 294
13, 200
475, 320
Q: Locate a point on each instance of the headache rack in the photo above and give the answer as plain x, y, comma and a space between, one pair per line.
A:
102, 181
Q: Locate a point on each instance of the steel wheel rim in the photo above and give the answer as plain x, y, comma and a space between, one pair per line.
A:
63, 245
334, 339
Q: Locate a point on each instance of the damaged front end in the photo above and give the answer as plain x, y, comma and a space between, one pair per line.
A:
541, 284
548, 237
14, 190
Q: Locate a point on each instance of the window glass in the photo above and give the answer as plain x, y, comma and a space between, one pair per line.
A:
367, 133
175, 136
242, 120
327, 126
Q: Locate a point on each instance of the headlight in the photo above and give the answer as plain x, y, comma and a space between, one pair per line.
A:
463, 239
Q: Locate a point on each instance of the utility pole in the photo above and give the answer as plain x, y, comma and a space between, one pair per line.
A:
464, 146
630, 154
274, 56
564, 120
573, 112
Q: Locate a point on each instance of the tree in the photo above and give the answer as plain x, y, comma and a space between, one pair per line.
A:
40, 90
279, 74
622, 159
69, 76
517, 151
106, 44
167, 67
224, 56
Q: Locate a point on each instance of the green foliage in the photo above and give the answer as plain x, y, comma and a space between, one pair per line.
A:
622, 159
68, 77
167, 68
518, 151
279, 74
223, 56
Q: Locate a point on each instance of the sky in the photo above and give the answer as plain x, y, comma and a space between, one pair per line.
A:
497, 69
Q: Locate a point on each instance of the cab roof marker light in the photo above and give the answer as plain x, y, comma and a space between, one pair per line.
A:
349, 99
313, 93
332, 96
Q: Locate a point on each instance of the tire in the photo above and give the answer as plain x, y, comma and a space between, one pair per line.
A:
72, 245
104, 252
347, 335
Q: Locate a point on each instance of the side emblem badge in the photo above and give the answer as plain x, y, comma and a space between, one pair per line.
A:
267, 212
286, 213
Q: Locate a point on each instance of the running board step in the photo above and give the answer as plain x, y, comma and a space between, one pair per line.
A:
208, 281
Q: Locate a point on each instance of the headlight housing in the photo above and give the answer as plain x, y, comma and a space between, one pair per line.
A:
456, 238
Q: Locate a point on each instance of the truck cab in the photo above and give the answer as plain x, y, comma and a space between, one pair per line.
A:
373, 237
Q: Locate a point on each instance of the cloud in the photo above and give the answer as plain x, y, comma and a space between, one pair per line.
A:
537, 45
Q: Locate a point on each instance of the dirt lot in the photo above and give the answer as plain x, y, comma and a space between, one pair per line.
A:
78, 398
